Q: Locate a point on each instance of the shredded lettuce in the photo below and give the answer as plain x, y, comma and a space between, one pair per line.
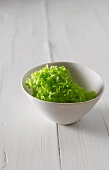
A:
55, 84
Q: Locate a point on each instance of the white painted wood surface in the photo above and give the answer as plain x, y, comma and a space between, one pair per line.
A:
39, 31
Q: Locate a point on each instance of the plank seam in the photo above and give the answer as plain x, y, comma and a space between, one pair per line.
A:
106, 105
13, 42
1, 82
59, 148
5, 159
107, 129
105, 125
47, 27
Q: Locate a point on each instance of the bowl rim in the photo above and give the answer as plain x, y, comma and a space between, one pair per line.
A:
76, 103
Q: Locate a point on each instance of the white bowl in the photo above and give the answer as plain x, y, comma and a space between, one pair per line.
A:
67, 113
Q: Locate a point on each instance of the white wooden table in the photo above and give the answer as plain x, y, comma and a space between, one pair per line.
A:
33, 32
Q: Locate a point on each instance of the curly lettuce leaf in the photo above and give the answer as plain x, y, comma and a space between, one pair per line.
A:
55, 84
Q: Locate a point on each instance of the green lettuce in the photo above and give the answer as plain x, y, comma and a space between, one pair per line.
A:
55, 84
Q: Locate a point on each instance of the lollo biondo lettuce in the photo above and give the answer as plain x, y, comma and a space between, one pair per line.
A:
55, 84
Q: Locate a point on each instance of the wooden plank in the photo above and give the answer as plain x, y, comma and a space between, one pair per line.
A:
27, 139
85, 143
79, 33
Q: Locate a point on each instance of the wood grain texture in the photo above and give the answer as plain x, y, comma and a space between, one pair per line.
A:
35, 32
79, 33
27, 139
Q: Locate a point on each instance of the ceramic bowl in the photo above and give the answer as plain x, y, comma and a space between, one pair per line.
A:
67, 113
